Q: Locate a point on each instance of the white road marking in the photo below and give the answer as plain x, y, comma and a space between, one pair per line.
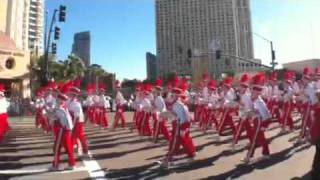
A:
95, 171
33, 171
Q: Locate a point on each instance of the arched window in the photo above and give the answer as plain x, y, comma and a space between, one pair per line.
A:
10, 63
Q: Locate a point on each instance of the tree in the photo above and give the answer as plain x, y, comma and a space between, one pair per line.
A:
231, 73
74, 67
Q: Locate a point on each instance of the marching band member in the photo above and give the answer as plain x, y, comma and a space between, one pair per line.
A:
212, 106
198, 99
159, 108
96, 106
309, 103
104, 106
315, 139
245, 106
169, 96
136, 105
88, 103
229, 105
180, 128
317, 78
50, 106
4, 104
274, 95
39, 106
261, 117
287, 98
146, 106
64, 128
76, 112
120, 107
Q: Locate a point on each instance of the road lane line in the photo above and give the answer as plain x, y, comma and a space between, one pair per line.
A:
94, 168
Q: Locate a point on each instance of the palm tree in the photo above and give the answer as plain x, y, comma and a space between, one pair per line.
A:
74, 67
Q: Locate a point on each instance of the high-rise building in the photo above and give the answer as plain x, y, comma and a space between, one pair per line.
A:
205, 25
81, 46
36, 26
22, 21
17, 22
151, 66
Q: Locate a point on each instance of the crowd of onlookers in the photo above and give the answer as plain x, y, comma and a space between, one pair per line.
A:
20, 106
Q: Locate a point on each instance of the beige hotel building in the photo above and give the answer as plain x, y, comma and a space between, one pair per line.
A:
20, 30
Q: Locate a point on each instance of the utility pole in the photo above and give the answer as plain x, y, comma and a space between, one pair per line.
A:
273, 52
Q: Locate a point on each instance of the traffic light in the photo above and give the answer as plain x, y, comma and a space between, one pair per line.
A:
54, 48
218, 54
273, 53
189, 53
56, 33
62, 13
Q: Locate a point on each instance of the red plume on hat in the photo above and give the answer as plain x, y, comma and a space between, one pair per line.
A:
89, 88
77, 83
75, 86
176, 85
317, 71
258, 81
147, 88
102, 87
228, 81
307, 72
2, 88
58, 86
200, 85
39, 92
293, 75
176, 81
158, 84
273, 76
212, 84
288, 77
184, 87
117, 84
169, 85
205, 77
138, 86
244, 80
64, 89
52, 85
94, 87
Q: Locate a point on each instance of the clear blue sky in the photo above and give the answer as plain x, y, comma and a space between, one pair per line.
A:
122, 31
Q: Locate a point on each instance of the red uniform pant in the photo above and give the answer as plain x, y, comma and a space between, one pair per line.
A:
103, 117
286, 119
78, 133
226, 120
144, 124
243, 125
119, 116
63, 139
4, 126
159, 127
181, 137
259, 138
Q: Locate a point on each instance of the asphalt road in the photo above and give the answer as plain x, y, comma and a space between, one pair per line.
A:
121, 154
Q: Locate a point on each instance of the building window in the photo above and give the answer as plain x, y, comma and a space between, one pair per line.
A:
10, 63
